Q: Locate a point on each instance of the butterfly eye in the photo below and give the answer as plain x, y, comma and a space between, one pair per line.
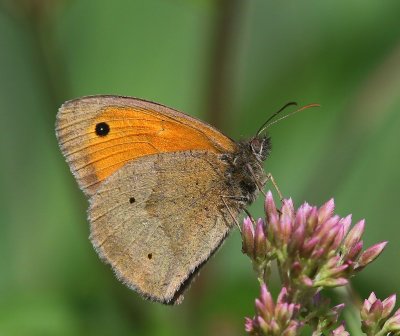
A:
102, 129
261, 147
256, 145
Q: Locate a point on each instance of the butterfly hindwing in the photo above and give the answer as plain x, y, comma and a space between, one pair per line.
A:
158, 219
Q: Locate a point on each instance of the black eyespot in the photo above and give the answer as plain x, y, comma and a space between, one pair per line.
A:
150, 255
132, 200
102, 129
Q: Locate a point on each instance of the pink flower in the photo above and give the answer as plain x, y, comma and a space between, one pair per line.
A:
315, 245
313, 249
272, 318
375, 315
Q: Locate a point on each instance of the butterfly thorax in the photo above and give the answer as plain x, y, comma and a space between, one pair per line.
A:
246, 174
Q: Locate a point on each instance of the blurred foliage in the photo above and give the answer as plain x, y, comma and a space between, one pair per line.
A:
344, 55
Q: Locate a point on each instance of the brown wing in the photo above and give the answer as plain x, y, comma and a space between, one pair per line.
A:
136, 128
159, 218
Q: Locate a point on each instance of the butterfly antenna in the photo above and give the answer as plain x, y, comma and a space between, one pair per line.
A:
268, 124
265, 125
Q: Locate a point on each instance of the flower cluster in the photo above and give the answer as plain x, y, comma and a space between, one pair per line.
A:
274, 319
375, 318
313, 249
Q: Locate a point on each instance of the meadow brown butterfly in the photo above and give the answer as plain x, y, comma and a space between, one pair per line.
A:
164, 188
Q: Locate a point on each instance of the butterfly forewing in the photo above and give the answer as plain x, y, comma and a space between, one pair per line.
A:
100, 134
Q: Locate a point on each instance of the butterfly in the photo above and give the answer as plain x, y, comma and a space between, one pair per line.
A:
164, 188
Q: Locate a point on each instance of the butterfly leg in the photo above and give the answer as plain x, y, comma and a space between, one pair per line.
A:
250, 216
240, 199
256, 180
271, 178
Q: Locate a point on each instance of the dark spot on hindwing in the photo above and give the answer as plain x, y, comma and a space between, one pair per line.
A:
150, 256
132, 200
102, 129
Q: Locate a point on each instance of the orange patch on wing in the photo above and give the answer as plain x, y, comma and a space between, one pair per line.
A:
136, 132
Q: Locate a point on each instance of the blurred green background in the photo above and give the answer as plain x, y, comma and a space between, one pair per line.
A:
229, 62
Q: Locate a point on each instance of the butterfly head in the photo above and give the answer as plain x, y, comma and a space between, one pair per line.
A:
260, 146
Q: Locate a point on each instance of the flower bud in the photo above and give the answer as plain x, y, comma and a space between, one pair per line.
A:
388, 305
370, 254
354, 235
329, 282
260, 241
340, 331
270, 208
393, 323
248, 237
326, 211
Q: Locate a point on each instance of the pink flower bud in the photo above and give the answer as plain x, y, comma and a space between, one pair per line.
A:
264, 326
249, 325
331, 282
393, 323
388, 305
293, 328
297, 238
282, 313
340, 331
282, 297
317, 253
354, 252
300, 219
338, 238
260, 240
324, 227
306, 281
309, 245
260, 307
285, 228
329, 236
273, 227
370, 254
270, 208
312, 220
291, 331
354, 235
333, 261
346, 222
367, 306
326, 211
335, 272
365, 310
267, 299
337, 310
375, 312
275, 328
248, 237
288, 208
371, 299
